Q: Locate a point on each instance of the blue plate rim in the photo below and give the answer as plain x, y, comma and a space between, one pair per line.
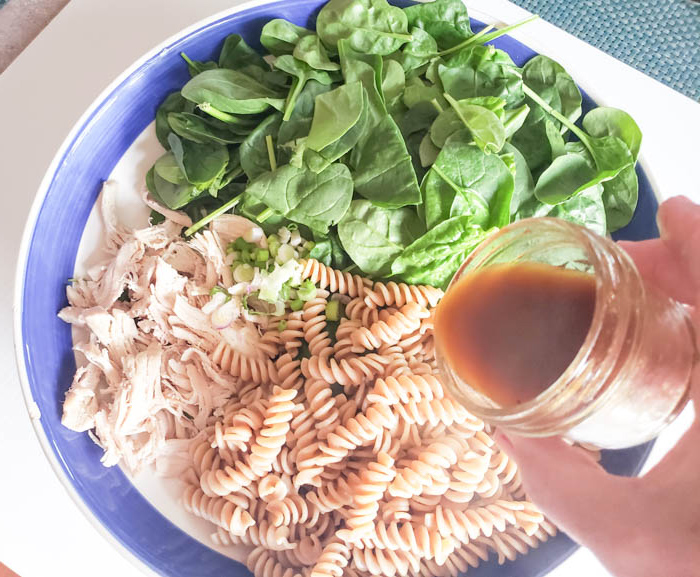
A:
101, 101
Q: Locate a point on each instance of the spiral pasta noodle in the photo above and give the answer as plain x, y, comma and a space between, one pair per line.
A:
390, 330
334, 280
248, 369
398, 294
341, 454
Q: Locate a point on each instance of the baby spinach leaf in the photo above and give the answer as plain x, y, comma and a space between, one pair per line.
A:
320, 160
167, 168
335, 114
201, 130
604, 121
299, 123
299, 194
620, 197
174, 102
442, 201
393, 84
281, 36
413, 144
419, 51
232, 91
523, 184
367, 69
435, 257
484, 126
445, 20
585, 208
482, 71
514, 118
371, 26
554, 85
445, 125
418, 92
419, 118
255, 159
384, 172
567, 175
197, 66
310, 50
373, 236
236, 54
427, 152
329, 251
302, 73
174, 196
202, 164
539, 140
467, 170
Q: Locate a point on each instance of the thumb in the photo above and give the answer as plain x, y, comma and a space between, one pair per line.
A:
570, 487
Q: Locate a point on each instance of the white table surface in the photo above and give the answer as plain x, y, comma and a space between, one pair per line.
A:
44, 92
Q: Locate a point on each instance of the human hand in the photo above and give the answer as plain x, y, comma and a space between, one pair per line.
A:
648, 526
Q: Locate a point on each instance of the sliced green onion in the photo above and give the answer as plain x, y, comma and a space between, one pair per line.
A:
263, 255
296, 305
264, 215
307, 290
282, 325
218, 289
243, 273
333, 311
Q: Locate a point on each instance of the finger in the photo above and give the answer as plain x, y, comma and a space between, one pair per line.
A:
567, 484
659, 266
679, 223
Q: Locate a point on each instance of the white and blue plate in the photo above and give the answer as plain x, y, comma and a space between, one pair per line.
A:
117, 132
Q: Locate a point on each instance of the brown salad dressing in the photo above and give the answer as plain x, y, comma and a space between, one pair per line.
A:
509, 331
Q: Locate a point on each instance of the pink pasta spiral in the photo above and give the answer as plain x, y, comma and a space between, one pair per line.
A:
467, 525
314, 316
416, 538
373, 482
241, 428
406, 388
430, 467
293, 509
334, 280
398, 294
262, 564
333, 559
385, 561
263, 451
259, 370
389, 331
347, 371
217, 510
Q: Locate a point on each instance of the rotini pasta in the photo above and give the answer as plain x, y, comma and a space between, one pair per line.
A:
398, 294
390, 330
334, 280
340, 453
261, 370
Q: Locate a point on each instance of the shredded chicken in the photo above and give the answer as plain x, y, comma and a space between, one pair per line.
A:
146, 384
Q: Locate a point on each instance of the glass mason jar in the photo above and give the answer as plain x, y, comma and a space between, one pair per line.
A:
631, 376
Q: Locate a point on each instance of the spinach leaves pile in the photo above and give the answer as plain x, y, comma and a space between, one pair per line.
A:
396, 138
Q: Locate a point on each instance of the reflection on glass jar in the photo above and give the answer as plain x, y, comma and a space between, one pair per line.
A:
631, 375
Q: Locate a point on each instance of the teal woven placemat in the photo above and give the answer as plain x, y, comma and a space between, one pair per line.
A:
659, 37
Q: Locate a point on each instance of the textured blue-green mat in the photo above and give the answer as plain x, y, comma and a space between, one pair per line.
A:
659, 37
